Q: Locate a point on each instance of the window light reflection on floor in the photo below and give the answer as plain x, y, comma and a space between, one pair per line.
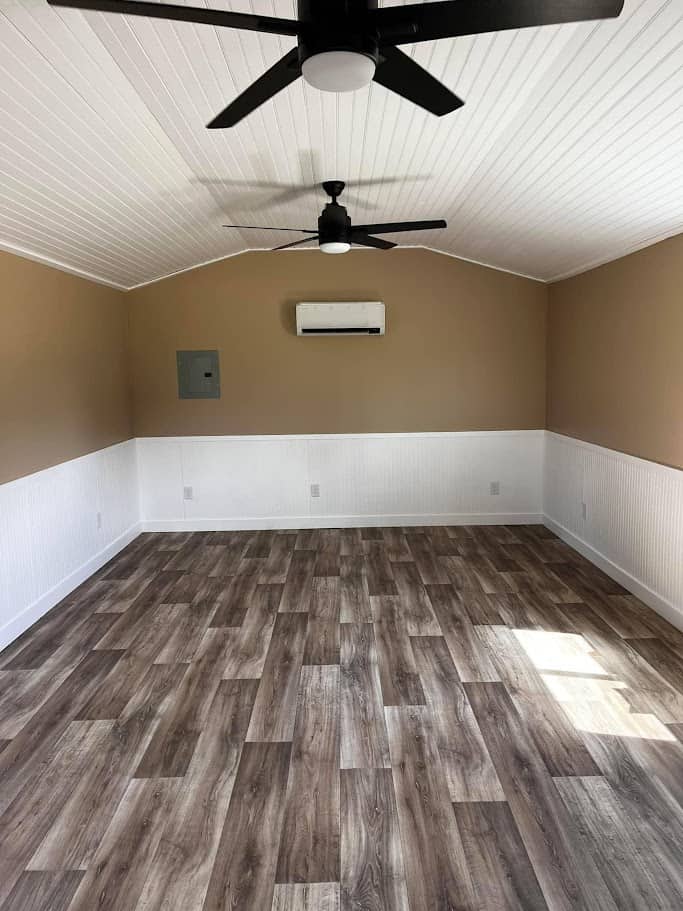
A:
593, 699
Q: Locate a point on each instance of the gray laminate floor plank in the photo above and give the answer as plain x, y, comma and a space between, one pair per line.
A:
275, 707
372, 871
243, 876
364, 743
501, 871
565, 869
309, 848
436, 871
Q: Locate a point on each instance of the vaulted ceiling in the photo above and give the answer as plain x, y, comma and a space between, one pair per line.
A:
568, 152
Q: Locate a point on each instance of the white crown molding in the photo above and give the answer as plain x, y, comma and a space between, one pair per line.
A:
56, 264
98, 280
399, 435
596, 263
210, 262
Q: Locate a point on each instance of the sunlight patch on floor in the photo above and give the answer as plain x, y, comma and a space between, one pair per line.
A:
568, 652
593, 700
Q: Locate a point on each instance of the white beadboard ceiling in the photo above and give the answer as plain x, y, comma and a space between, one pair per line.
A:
568, 152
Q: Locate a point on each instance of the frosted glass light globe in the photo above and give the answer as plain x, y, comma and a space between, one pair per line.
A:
338, 71
335, 246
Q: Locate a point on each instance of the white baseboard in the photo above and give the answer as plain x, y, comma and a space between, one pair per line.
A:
19, 624
667, 610
296, 522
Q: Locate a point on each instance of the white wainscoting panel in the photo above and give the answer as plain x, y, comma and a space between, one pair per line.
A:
365, 479
50, 541
633, 525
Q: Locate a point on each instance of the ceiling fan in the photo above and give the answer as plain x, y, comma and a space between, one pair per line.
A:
335, 232
343, 45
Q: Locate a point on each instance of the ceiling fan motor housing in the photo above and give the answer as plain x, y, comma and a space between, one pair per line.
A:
337, 25
334, 225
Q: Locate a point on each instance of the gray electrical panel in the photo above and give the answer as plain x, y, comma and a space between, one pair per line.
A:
198, 375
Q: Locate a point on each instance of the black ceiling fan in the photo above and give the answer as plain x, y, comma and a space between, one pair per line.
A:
335, 232
342, 45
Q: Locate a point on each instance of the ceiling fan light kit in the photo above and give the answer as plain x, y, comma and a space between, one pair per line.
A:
335, 246
338, 71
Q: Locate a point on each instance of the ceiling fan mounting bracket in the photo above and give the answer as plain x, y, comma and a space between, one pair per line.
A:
333, 188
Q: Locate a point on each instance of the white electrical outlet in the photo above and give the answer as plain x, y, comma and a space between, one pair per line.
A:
495, 488
315, 490
584, 511
187, 493
99, 521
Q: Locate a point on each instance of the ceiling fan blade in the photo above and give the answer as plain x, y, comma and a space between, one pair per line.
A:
450, 18
401, 74
253, 23
365, 240
270, 228
278, 77
295, 243
391, 227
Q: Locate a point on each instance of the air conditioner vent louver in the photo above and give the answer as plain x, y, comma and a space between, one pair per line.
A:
357, 318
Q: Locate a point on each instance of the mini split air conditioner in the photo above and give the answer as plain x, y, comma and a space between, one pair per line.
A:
362, 318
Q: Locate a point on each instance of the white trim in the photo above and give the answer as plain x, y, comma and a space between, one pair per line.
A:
206, 262
360, 521
659, 604
282, 437
35, 475
218, 259
57, 264
476, 262
98, 280
634, 248
19, 624
618, 454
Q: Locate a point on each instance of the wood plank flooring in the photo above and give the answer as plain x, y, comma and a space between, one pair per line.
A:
398, 719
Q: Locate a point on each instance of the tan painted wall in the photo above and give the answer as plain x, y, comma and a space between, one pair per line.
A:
63, 373
615, 354
464, 350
